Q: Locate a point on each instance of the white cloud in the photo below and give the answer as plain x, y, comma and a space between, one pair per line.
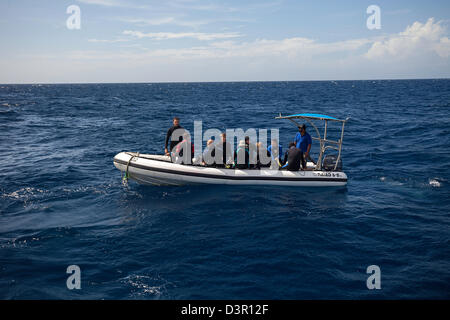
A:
150, 22
178, 35
422, 50
164, 21
417, 39
114, 3
107, 41
106, 3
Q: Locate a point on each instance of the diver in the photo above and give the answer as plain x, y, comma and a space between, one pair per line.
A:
292, 158
252, 149
263, 157
175, 130
242, 156
275, 151
184, 150
224, 153
208, 159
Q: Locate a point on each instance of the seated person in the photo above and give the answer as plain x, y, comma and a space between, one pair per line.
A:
263, 159
242, 156
183, 151
303, 141
224, 154
293, 158
252, 152
207, 158
275, 151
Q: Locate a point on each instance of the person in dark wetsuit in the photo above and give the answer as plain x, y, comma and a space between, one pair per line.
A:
262, 162
242, 156
293, 158
173, 143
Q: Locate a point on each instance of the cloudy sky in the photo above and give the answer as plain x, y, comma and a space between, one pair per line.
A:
236, 40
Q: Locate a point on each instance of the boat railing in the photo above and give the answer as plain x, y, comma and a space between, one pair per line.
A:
323, 141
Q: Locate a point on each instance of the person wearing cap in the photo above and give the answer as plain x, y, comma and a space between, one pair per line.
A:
303, 142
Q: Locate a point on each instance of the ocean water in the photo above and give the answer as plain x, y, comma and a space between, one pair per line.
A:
62, 201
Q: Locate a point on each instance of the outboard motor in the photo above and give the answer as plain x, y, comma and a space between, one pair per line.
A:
330, 161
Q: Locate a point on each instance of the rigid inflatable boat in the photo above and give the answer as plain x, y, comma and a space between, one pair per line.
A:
160, 170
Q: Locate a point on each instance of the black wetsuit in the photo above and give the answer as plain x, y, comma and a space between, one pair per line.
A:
241, 154
259, 164
169, 135
294, 158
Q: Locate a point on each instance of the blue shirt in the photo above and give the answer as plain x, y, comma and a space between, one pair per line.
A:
302, 142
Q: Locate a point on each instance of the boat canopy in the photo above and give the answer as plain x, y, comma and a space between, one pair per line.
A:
325, 143
314, 116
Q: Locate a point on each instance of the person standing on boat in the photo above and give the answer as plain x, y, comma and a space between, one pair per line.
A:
177, 131
303, 142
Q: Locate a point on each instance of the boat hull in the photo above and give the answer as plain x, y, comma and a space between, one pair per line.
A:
158, 170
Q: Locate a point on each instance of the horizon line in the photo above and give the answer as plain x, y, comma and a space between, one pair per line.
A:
225, 81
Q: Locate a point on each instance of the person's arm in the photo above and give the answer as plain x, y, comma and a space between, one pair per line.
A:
307, 151
169, 133
309, 147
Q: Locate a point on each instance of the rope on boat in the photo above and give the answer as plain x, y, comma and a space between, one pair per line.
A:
127, 175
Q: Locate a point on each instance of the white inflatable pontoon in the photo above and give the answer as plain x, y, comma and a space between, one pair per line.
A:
160, 170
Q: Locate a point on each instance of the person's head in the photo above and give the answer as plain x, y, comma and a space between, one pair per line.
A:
224, 137
258, 145
247, 139
209, 142
302, 129
291, 144
176, 121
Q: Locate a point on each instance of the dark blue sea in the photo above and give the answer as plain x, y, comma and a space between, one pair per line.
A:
62, 201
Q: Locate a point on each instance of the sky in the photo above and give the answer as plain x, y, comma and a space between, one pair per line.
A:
236, 40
